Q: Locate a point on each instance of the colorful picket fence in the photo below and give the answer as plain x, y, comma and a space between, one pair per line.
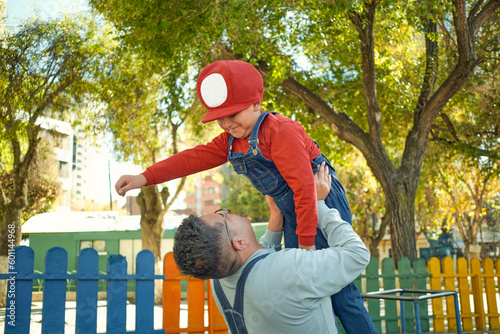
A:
20, 282
477, 285
378, 277
471, 281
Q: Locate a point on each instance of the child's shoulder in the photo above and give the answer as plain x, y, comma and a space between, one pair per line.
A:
278, 119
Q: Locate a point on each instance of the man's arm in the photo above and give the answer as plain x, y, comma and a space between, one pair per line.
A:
325, 272
274, 231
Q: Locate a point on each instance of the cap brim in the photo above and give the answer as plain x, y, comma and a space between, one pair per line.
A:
218, 113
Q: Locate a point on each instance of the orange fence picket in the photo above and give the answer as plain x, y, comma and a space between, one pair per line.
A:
196, 293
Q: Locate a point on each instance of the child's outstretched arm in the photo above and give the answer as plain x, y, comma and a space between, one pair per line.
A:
129, 182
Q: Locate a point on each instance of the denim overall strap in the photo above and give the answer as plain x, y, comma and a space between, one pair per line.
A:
234, 315
253, 140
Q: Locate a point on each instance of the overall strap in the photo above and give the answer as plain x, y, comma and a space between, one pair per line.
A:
253, 141
234, 315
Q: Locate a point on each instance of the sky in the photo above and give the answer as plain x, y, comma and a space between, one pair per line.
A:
48, 8
100, 157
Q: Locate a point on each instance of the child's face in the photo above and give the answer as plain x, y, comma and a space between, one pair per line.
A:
240, 125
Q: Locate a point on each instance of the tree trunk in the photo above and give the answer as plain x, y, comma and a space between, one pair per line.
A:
152, 203
400, 215
10, 237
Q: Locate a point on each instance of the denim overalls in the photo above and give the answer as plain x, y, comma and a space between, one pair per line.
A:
264, 175
234, 314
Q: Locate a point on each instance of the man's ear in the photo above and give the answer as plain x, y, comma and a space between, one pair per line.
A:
240, 242
256, 106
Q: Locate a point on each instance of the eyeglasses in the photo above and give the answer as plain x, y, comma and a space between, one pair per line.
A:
224, 212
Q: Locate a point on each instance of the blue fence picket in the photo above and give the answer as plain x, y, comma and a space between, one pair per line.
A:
145, 291
86, 291
116, 294
18, 309
54, 291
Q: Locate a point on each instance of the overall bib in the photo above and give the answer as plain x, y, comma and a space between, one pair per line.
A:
266, 178
234, 314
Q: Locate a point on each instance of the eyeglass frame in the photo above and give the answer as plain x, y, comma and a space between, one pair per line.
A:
223, 210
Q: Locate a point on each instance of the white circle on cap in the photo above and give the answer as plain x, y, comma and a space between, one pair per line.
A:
213, 90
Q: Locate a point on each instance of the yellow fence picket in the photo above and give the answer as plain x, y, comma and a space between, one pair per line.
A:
489, 286
434, 268
464, 294
477, 292
449, 284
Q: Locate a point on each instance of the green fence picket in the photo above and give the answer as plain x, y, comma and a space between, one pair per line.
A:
391, 309
420, 272
406, 282
373, 284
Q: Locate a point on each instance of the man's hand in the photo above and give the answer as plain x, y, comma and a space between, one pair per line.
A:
323, 181
323, 184
129, 182
276, 217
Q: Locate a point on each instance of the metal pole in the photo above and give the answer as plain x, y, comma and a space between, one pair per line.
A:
417, 317
457, 314
110, 194
403, 326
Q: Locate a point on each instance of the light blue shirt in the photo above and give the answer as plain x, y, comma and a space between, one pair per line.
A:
289, 291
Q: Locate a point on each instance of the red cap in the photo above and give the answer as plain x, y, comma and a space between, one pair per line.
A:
227, 87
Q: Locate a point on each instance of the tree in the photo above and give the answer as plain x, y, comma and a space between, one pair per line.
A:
43, 68
378, 73
145, 118
43, 186
464, 189
366, 203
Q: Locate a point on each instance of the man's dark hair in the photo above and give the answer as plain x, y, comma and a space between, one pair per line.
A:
197, 249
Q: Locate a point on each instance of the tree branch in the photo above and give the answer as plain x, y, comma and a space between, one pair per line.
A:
465, 40
431, 66
364, 26
487, 13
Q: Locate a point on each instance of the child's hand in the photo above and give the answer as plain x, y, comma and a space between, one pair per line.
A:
276, 218
129, 182
323, 181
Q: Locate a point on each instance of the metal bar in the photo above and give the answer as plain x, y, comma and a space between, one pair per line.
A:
457, 314
403, 323
417, 317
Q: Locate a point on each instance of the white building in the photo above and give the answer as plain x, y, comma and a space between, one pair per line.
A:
61, 135
81, 167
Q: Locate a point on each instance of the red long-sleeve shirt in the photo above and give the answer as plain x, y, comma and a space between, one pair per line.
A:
282, 141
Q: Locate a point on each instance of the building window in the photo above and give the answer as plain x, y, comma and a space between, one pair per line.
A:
98, 245
211, 190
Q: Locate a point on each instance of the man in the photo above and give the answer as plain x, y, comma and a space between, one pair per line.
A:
285, 292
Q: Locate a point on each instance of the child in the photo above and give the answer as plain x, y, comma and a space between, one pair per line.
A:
274, 153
